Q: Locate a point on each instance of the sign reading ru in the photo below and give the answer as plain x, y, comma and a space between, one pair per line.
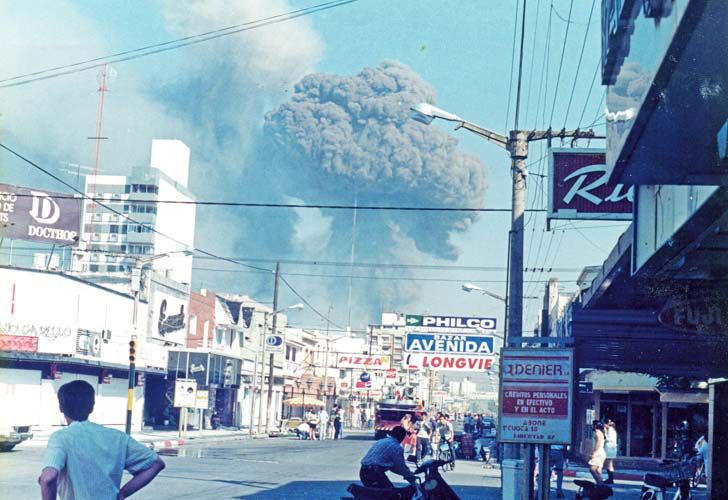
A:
450, 322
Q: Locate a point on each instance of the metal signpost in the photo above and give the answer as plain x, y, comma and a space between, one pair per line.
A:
185, 396
536, 397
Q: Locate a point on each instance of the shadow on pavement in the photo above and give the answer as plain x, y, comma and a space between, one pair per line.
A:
334, 490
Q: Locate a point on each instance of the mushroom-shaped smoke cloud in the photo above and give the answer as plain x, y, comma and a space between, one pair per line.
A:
341, 135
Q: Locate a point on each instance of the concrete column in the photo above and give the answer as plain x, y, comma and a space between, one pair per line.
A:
663, 438
718, 440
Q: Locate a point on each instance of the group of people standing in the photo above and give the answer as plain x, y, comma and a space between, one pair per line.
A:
425, 434
322, 425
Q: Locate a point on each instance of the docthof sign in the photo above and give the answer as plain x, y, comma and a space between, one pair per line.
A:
579, 187
536, 395
39, 215
362, 361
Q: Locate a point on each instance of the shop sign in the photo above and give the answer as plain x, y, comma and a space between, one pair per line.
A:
185, 393
392, 373
458, 322
536, 396
50, 339
448, 343
579, 187
586, 388
169, 315
35, 215
18, 343
449, 362
694, 316
274, 343
202, 399
140, 379
363, 361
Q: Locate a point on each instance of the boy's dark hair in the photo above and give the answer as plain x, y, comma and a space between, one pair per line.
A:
398, 433
76, 400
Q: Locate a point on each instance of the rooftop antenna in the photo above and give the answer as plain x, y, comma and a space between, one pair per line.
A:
105, 76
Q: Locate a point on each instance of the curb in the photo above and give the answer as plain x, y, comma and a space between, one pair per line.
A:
176, 443
622, 476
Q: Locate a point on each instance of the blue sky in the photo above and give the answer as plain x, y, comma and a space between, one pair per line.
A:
214, 97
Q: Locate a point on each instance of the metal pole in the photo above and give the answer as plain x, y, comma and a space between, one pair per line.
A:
132, 365
262, 370
270, 358
326, 361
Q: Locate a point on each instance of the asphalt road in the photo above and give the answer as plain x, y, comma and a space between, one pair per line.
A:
266, 469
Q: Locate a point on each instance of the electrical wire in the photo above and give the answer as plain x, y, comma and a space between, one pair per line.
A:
591, 87
303, 299
561, 63
578, 65
513, 58
148, 50
533, 58
282, 205
520, 67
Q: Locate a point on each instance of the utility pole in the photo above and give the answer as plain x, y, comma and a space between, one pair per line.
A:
270, 358
326, 360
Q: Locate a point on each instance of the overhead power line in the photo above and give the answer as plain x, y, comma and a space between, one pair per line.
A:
148, 50
288, 205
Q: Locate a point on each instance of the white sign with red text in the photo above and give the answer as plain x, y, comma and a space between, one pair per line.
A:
363, 361
448, 362
536, 396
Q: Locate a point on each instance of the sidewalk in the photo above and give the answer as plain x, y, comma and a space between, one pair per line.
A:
160, 439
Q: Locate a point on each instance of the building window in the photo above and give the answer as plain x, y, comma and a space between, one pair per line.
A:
94, 268
114, 229
111, 269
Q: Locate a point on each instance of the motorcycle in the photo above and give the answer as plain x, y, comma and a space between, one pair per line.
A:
592, 491
429, 487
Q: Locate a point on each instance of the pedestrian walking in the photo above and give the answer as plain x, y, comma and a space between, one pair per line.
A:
557, 457
323, 423
598, 455
85, 461
610, 449
338, 414
424, 434
312, 424
363, 416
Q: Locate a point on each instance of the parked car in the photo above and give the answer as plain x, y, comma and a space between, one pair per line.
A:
12, 435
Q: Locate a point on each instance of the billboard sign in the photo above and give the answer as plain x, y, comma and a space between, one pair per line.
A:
39, 215
448, 343
579, 187
536, 396
362, 361
169, 314
448, 362
34, 337
457, 322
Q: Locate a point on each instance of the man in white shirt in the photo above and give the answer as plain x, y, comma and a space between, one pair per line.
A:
323, 418
85, 461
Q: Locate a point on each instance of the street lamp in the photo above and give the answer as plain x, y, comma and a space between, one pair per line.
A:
135, 286
297, 307
469, 287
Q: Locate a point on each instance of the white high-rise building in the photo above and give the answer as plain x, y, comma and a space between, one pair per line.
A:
111, 243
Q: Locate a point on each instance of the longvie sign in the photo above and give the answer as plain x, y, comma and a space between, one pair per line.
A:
448, 362
579, 188
536, 396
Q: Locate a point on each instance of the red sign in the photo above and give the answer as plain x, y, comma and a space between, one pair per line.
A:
579, 187
362, 361
18, 343
392, 373
550, 403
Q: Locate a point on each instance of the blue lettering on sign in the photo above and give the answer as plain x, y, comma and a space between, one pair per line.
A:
274, 340
448, 343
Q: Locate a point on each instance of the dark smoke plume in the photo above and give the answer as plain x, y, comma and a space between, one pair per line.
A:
344, 135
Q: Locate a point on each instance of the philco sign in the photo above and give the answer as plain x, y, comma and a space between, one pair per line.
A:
35, 215
579, 187
458, 322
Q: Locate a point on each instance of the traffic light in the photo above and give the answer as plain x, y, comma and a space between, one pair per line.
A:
132, 351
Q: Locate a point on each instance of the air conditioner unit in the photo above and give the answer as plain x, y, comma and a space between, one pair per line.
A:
106, 335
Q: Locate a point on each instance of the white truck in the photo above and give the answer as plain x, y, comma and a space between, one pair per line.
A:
12, 435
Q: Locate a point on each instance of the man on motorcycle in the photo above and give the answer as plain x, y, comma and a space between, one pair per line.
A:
385, 455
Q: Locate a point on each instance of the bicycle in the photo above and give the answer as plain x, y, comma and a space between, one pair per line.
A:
681, 474
446, 454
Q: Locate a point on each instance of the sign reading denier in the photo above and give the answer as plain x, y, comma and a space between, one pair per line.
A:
536, 396
39, 215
